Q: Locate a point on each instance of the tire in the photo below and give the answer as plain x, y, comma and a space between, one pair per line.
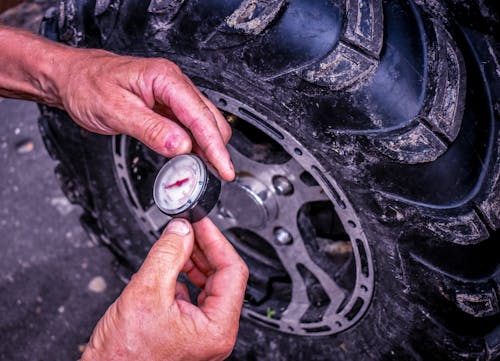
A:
390, 107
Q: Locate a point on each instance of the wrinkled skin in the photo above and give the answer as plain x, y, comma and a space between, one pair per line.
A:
153, 101
124, 101
154, 319
148, 99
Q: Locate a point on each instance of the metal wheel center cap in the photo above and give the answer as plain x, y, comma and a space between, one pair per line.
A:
249, 202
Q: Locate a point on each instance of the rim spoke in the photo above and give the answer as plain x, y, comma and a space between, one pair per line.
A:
292, 167
156, 218
313, 194
300, 300
248, 165
297, 251
293, 254
308, 193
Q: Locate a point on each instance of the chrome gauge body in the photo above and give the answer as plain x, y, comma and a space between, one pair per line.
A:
185, 188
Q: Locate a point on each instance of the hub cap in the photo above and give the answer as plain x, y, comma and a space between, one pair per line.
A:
247, 202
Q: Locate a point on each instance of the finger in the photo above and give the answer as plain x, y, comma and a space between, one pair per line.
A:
222, 123
225, 287
197, 267
201, 297
159, 133
167, 258
197, 149
216, 249
166, 112
182, 292
200, 260
194, 274
192, 111
226, 131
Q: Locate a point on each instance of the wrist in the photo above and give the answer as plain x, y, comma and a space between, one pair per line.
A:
31, 66
70, 69
53, 72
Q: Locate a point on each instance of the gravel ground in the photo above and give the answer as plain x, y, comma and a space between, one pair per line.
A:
54, 282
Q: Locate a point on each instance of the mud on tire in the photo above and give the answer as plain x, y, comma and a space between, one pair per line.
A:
390, 106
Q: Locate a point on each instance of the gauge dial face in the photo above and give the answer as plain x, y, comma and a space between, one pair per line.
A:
180, 183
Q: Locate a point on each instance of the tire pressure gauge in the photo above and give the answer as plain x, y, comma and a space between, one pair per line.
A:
185, 188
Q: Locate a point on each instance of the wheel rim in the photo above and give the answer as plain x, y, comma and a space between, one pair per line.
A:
311, 270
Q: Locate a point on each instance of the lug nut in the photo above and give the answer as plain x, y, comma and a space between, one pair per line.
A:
231, 118
282, 185
282, 236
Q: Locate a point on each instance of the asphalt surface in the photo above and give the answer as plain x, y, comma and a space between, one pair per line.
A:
54, 282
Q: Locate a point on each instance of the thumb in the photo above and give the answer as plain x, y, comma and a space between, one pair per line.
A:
168, 256
160, 133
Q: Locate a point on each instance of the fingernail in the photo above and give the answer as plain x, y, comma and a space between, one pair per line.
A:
178, 226
180, 296
173, 142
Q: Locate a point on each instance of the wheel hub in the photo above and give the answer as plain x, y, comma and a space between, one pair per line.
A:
248, 202
311, 271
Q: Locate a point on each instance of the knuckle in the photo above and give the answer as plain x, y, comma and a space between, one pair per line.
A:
246, 273
167, 247
205, 110
226, 348
206, 140
228, 344
243, 271
225, 340
152, 131
201, 109
228, 133
173, 67
168, 66
196, 126
202, 118
163, 68
211, 146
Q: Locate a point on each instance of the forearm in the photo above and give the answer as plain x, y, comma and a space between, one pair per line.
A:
30, 66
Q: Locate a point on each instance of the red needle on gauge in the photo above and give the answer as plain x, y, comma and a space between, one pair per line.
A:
177, 184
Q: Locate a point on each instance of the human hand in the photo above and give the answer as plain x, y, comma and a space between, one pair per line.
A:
153, 319
148, 99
